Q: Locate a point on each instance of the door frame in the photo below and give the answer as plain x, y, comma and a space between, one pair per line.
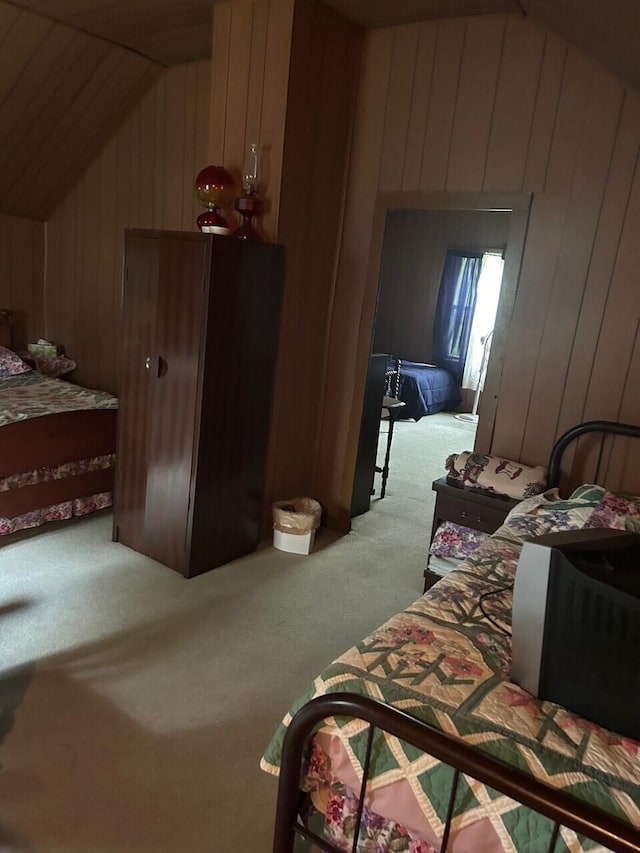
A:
519, 205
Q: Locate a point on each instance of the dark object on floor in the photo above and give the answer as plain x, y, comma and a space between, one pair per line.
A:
369, 432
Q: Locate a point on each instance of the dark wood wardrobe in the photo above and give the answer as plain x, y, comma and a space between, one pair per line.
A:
199, 336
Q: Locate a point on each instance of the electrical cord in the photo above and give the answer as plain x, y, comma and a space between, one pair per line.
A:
489, 618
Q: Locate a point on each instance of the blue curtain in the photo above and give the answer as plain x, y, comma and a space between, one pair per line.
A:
454, 311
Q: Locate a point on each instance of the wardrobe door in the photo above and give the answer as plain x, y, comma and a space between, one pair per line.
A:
174, 375
242, 343
137, 342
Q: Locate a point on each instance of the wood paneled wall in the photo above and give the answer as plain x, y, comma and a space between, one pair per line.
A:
143, 178
284, 74
498, 103
62, 92
413, 256
21, 275
325, 60
249, 89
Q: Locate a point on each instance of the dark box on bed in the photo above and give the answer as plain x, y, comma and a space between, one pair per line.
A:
576, 625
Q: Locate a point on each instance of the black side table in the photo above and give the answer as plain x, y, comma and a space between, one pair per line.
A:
468, 507
394, 409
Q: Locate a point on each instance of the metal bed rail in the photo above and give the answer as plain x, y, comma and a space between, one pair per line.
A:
605, 427
560, 807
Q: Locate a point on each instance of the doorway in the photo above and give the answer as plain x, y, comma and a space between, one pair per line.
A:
436, 308
411, 237
394, 218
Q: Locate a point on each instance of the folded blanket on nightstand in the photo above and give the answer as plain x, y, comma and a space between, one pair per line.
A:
495, 474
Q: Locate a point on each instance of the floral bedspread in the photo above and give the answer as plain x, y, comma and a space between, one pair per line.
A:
56, 512
444, 662
31, 395
56, 472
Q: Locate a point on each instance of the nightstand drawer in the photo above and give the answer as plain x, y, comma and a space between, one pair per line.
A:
469, 514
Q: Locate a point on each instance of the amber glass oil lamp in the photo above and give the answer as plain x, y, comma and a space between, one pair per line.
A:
214, 189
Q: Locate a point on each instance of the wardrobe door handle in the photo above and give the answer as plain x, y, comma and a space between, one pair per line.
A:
158, 363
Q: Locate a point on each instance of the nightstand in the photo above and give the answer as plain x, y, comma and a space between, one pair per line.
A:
472, 508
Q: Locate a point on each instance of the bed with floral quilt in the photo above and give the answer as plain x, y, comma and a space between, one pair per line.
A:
57, 447
445, 662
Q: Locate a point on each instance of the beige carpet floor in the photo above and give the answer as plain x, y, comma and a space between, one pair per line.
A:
134, 705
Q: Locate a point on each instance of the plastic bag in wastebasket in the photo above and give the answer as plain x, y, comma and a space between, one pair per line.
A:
297, 516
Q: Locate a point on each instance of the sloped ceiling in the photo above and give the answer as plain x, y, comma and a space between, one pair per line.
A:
61, 92
71, 69
607, 29
170, 31
167, 31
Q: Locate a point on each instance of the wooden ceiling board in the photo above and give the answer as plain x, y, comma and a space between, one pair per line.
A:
609, 31
116, 85
166, 31
61, 48
187, 43
173, 31
62, 93
8, 16
373, 14
44, 106
19, 46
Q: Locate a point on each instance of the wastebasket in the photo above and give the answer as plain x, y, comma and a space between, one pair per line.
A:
295, 523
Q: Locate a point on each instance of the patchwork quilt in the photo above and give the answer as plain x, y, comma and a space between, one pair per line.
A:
446, 661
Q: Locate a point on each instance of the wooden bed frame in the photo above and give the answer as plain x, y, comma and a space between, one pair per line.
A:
560, 807
53, 440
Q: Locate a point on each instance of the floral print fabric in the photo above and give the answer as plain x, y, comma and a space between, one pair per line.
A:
495, 474
617, 511
57, 512
446, 660
56, 472
454, 540
338, 805
32, 395
11, 364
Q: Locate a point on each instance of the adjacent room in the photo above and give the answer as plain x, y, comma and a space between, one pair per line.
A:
255, 251
438, 303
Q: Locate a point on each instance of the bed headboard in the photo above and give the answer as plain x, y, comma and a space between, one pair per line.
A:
6, 328
599, 456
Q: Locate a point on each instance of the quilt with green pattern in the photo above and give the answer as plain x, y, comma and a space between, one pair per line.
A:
446, 661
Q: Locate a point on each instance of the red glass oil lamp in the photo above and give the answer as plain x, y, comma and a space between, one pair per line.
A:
248, 204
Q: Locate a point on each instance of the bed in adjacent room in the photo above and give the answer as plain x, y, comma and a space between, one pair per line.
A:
441, 670
57, 446
424, 389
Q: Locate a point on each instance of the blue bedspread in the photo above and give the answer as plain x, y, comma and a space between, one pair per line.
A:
426, 390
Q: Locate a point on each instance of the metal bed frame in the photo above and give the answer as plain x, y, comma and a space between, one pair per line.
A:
561, 808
